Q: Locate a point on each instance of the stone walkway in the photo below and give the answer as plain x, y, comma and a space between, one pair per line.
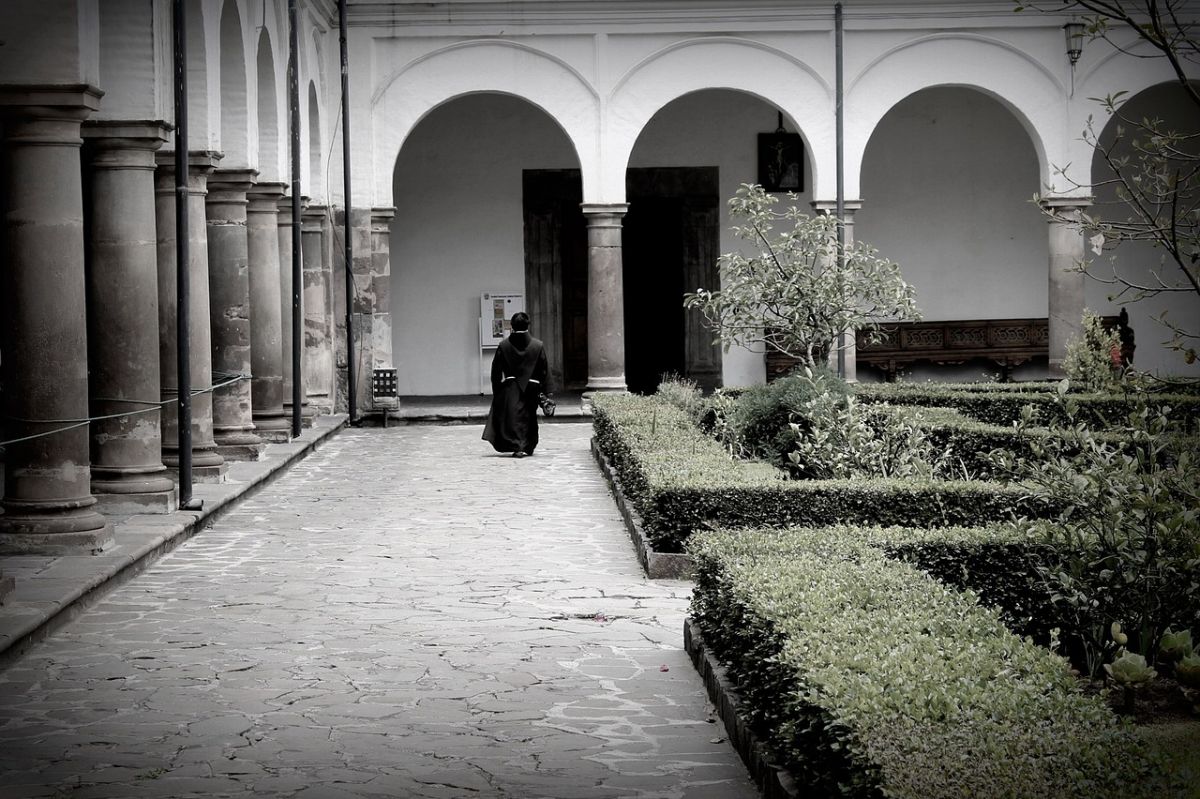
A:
381, 621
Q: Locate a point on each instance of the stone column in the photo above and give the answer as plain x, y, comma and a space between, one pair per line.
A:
318, 335
266, 335
128, 475
48, 505
229, 291
848, 338
285, 308
379, 290
1066, 281
207, 464
606, 297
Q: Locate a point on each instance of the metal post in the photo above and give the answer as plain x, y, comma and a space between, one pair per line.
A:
841, 176
297, 269
182, 288
349, 253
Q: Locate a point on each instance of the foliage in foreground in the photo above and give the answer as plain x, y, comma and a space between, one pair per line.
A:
867, 678
1127, 538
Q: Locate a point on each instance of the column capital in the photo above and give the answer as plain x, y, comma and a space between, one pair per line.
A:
119, 144
264, 196
233, 177
830, 207
313, 218
604, 213
198, 160
1059, 203
140, 133
52, 101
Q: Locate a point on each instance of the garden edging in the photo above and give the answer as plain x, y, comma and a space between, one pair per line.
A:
658, 565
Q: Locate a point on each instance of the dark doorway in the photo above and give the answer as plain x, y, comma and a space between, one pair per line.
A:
669, 247
556, 271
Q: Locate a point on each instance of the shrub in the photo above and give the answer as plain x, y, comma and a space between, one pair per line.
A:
1126, 543
681, 480
760, 417
1090, 361
868, 678
1004, 407
842, 439
684, 394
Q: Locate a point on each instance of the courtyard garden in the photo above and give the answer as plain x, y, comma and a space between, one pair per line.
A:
921, 589
936, 590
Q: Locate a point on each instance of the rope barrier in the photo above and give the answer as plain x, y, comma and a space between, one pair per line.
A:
72, 424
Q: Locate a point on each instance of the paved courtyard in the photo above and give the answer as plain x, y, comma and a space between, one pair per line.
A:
403, 614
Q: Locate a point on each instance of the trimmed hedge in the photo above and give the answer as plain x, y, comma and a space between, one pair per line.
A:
866, 677
999, 406
681, 480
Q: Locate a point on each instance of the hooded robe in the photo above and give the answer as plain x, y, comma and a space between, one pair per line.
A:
520, 372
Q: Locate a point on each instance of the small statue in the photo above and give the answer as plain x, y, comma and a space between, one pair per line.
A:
1125, 336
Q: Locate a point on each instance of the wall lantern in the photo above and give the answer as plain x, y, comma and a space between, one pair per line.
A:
1074, 32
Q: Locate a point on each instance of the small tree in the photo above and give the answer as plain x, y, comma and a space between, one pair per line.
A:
793, 294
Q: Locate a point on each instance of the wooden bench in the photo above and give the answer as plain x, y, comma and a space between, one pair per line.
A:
1007, 343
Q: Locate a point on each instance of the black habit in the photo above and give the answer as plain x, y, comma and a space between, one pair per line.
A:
520, 372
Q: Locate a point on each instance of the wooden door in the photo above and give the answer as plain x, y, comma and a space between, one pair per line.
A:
669, 247
556, 271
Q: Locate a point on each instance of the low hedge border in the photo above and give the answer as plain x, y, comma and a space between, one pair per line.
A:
658, 565
866, 677
1003, 407
775, 781
681, 480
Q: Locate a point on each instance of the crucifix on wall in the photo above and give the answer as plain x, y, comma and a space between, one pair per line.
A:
781, 160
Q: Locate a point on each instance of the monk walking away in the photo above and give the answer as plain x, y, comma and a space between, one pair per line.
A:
520, 375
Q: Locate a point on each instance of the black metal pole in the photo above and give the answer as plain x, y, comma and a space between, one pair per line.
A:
297, 273
349, 253
841, 172
182, 288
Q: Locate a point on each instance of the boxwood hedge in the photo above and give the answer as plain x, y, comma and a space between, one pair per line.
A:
867, 677
681, 480
1002, 406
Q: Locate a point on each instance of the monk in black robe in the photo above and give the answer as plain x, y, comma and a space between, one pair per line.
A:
520, 373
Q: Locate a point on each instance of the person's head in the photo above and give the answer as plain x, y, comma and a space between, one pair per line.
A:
520, 322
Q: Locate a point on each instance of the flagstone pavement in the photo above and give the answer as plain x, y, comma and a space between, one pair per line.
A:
404, 613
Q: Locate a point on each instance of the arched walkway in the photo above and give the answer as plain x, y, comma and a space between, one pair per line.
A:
460, 230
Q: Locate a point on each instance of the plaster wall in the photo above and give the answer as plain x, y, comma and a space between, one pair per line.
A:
458, 231
50, 41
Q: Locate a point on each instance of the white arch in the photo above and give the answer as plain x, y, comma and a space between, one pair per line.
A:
204, 75
718, 62
1105, 71
238, 124
271, 142
405, 96
1034, 95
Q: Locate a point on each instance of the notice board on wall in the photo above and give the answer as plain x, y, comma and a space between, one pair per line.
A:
496, 309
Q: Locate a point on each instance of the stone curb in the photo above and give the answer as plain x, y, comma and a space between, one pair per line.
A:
43, 599
658, 565
773, 780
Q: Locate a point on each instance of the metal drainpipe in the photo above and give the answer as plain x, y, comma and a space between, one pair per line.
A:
841, 176
349, 253
182, 288
297, 271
